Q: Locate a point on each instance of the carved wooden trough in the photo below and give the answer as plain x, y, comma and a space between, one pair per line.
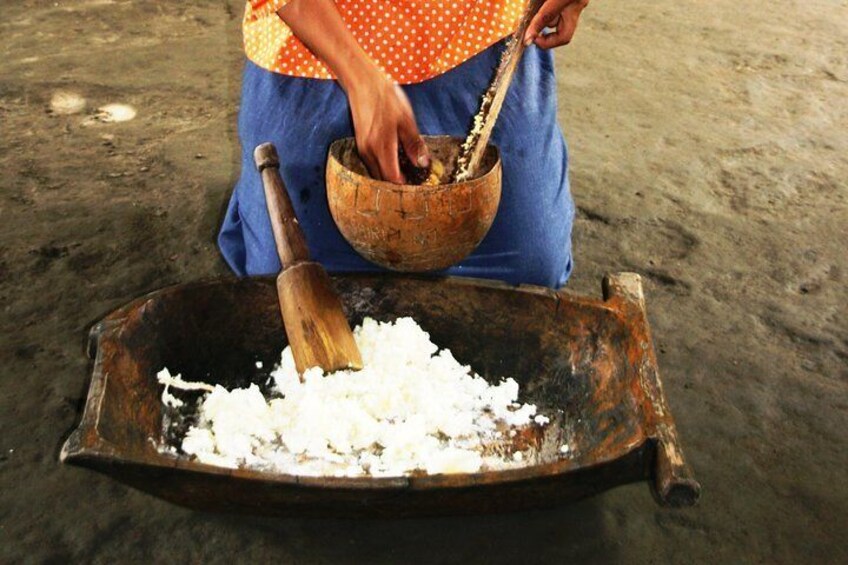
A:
589, 363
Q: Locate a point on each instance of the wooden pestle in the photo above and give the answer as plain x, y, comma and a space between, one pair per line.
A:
317, 328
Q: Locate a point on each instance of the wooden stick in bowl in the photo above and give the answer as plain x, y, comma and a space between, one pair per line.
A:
484, 121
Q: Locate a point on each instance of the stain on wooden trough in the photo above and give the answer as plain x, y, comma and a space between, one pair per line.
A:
587, 363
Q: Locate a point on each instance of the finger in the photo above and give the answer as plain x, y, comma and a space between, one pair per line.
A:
410, 138
387, 161
369, 160
560, 36
412, 143
545, 17
372, 166
565, 29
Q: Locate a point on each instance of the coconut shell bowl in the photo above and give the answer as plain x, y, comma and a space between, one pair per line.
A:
413, 228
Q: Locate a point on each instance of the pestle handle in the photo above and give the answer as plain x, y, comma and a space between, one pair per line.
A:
289, 238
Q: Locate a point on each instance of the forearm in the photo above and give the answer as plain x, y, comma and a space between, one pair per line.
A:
383, 119
318, 24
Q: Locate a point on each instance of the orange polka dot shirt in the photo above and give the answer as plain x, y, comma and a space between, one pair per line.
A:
411, 40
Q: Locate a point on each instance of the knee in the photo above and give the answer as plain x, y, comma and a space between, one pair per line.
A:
550, 269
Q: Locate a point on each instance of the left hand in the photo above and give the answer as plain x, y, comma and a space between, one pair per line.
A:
562, 15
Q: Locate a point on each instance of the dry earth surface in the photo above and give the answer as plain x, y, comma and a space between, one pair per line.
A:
709, 153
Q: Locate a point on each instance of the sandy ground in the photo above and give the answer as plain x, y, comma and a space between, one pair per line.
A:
709, 153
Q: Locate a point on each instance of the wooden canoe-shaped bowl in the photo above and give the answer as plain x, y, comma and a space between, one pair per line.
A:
412, 228
587, 363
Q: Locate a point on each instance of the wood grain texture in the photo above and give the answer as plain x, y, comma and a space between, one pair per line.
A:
314, 319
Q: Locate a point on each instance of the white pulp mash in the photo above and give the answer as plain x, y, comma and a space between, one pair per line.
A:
411, 408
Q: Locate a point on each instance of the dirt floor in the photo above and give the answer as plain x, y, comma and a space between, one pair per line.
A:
709, 153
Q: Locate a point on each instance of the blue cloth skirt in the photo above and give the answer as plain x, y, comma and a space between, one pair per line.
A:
530, 240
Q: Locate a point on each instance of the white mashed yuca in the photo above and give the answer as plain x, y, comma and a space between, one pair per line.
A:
411, 408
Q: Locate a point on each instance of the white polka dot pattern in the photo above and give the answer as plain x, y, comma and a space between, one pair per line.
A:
411, 40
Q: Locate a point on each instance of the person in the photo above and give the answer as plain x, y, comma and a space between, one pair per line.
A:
386, 72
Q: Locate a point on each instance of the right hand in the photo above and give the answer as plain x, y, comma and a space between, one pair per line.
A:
562, 16
383, 121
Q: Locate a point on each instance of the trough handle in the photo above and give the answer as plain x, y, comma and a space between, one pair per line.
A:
289, 238
674, 483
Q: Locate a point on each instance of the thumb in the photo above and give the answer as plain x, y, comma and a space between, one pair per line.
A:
409, 136
413, 145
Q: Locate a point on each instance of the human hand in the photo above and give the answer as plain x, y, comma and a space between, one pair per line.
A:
562, 15
383, 121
